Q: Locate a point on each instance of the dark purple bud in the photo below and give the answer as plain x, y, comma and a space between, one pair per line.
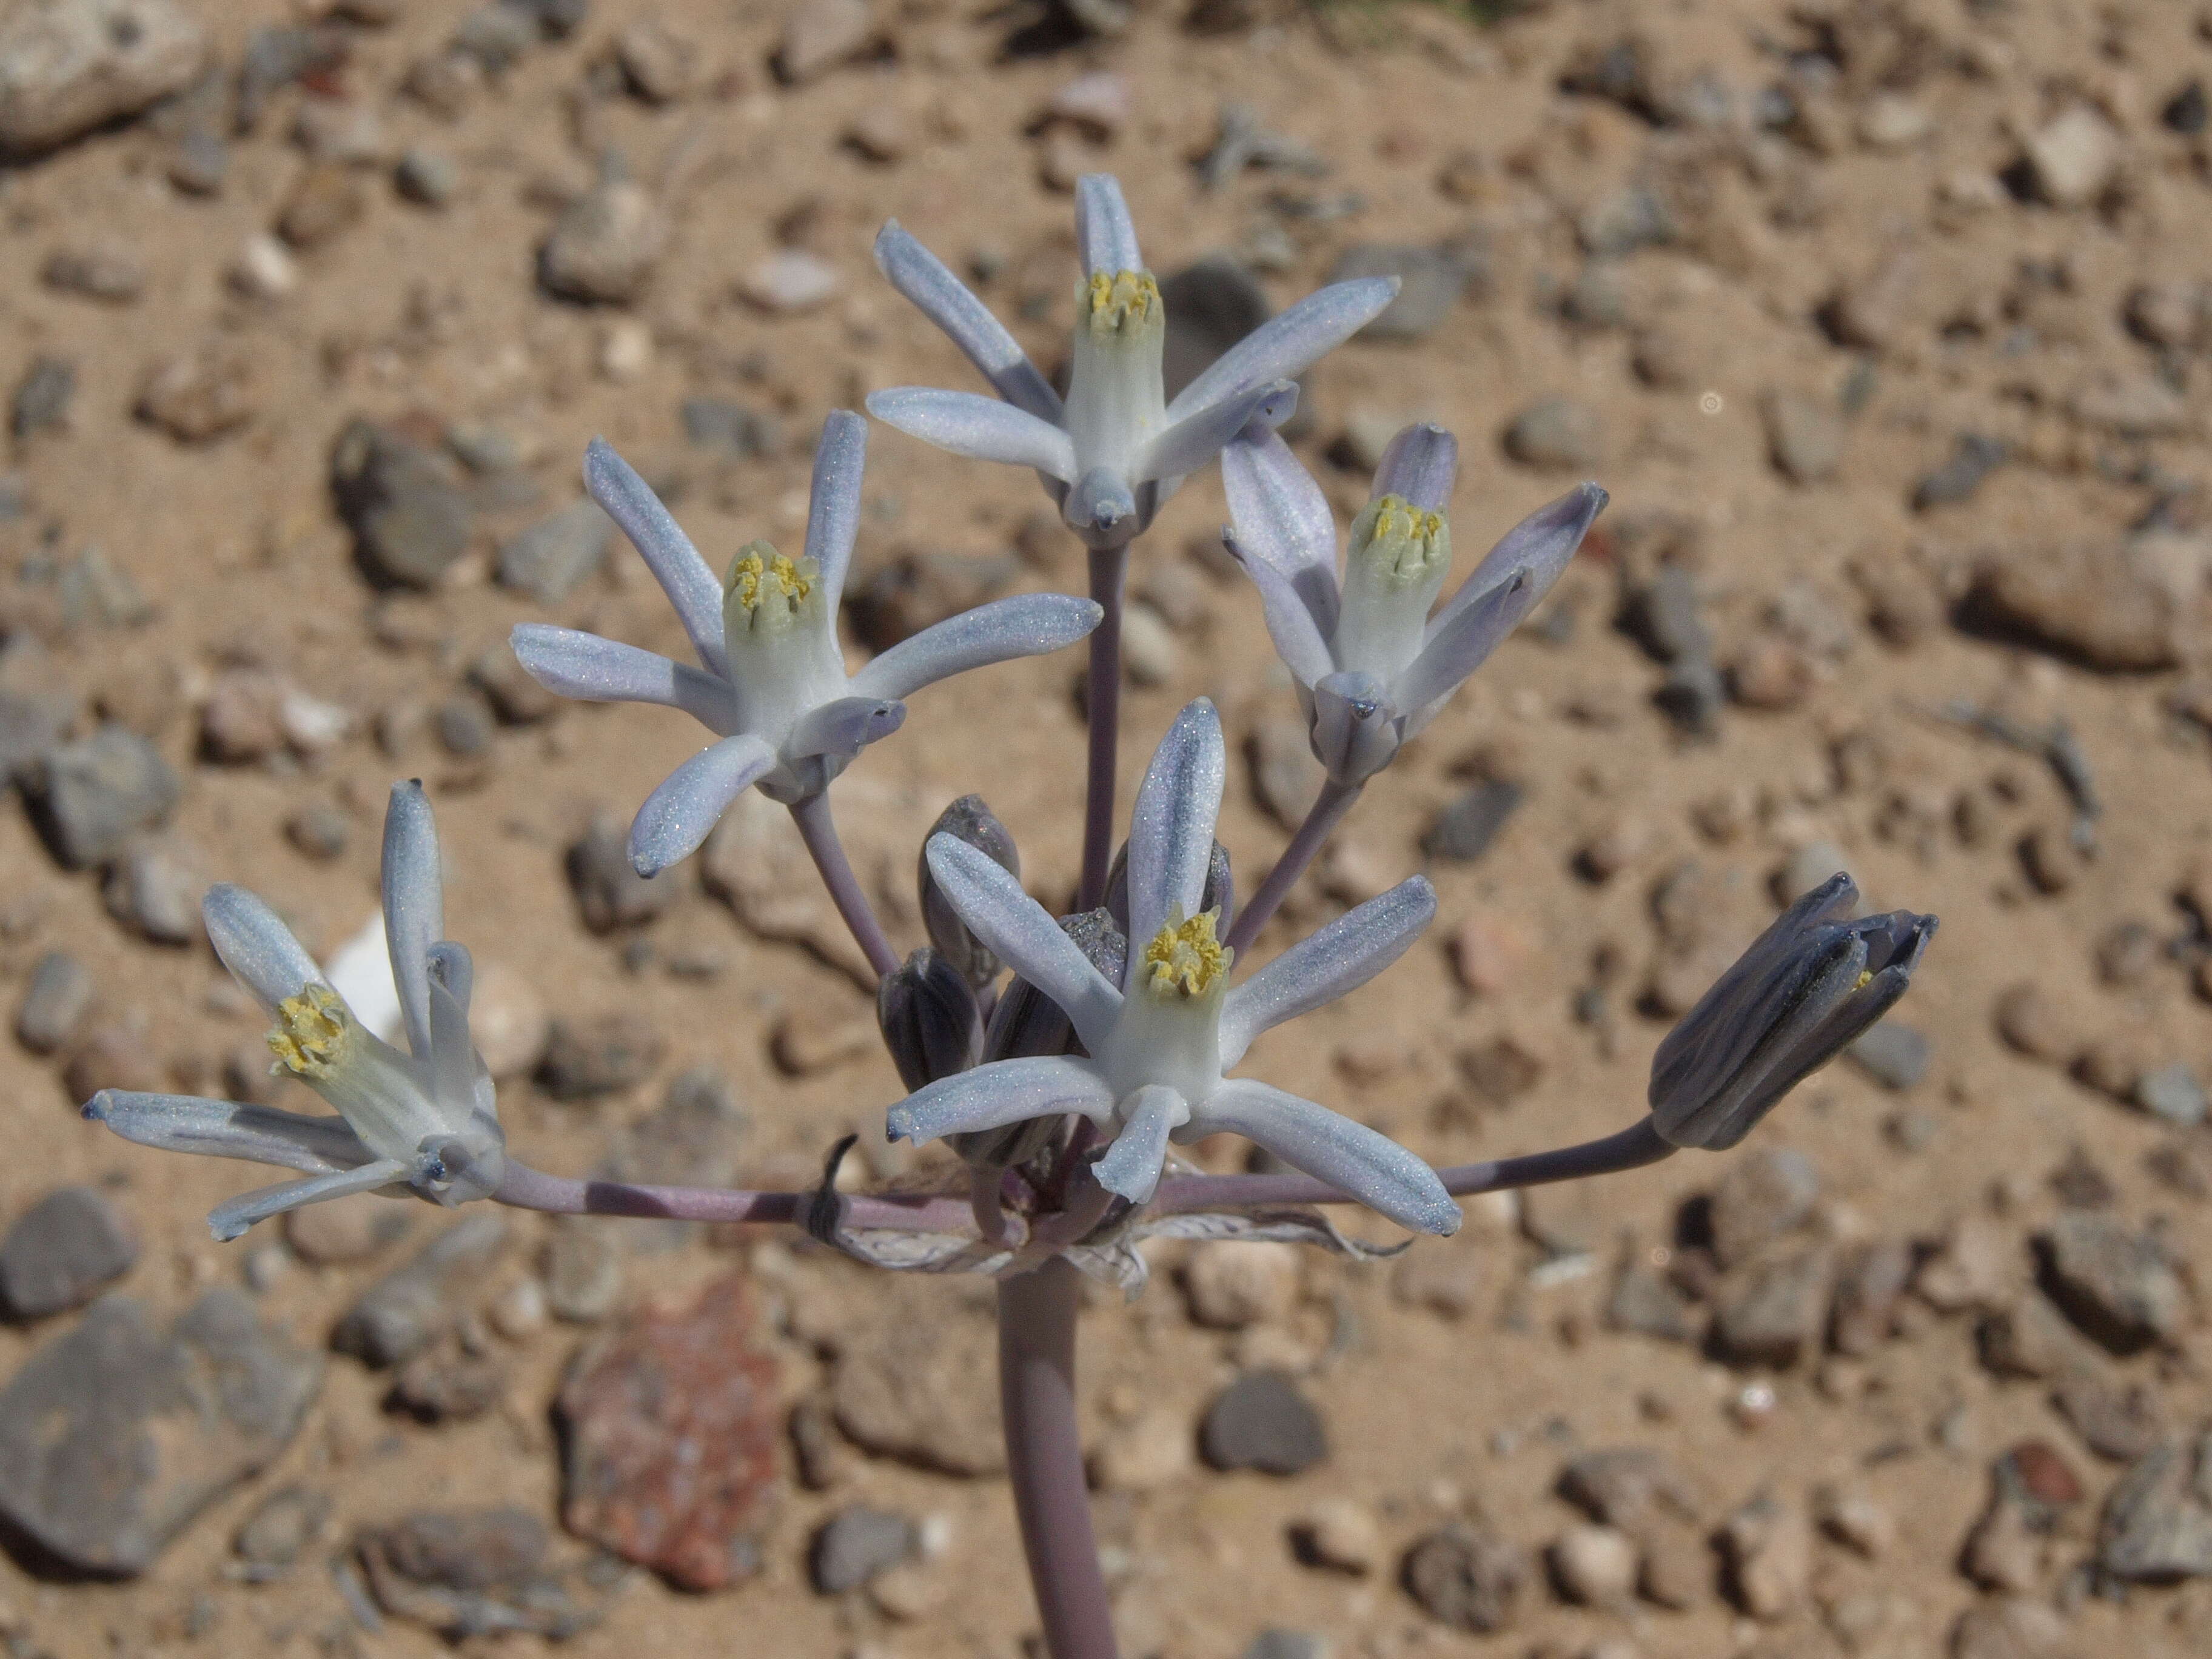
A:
967, 819
929, 1019
1220, 892
1809, 985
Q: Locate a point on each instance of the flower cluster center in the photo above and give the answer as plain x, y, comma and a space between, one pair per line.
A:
760, 572
1122, 302
311, 1032
1399, 539
1185, 957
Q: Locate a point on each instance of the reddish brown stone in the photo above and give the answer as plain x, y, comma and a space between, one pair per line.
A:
2045, 1473
672, 1424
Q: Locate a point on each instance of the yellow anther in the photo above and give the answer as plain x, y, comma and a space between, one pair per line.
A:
1185, 957
1400, 538
1866, 978
311, 1031
1120, 301
759, 571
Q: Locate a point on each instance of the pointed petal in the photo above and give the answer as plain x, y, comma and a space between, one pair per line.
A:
990, 1096
1198, 437
1282, 518
920, 276
1420, 466
451, 1055
680, 814
981, 428
843, 726
1286, 345
256, 946
667, 551
1105, 236
1325, 965
1016, 930
1350, 1156
1022, 625
591, 670
1171, 830
1543, 543
832, 510
1299, 639
1132, 1165
413, 906
231, 1218
1464, 645
223, 1128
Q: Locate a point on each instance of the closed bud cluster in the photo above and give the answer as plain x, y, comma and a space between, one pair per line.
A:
929, 1019
969, 820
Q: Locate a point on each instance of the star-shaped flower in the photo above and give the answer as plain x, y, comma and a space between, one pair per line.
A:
423, 1120
1160, 1042
771, 683
1116, 448
1372, 665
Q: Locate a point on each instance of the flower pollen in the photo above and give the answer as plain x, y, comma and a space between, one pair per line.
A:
311, 1032
1122, 302
1399, 539
759, 571
1185, 957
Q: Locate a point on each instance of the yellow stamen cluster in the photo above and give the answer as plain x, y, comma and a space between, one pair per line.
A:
1404, 540
1185, 957
1865, 979
759, 571
311, 1031
1125, 301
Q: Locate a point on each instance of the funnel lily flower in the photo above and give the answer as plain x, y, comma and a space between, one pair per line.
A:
771, 683
1372, 665
1160, 1042
1808, 986
423, 1120
1117, 446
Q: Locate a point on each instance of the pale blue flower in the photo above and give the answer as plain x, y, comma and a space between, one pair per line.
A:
1116, 448
1160, 1042
423, 1120
771, 683
1372, 666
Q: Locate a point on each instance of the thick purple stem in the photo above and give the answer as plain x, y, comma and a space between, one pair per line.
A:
532, 1189
1631, 1149
819, 831
1102, 706
1321, 818
1044, 1459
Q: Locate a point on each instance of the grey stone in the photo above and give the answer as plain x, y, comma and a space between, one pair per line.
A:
588, 1058
1804, 435
200, 163
496, 36
404, 503
2115, 1285
730, 429
465, 728
905, 1387
97, 593
427, 177
1464, 830
1281, 1644
1763, 1194
1870, 1282
1646, 1302
1211, 304
60, 991
42, 396
103, 271
819, 35
853, 1546
604, 246
548, 560
114, 1436
278, 56
1286, 776
471, 1572
155, 888
1261, 1421
1430, 282
61, 1251
1556, 433
413, 1306
1666, 616
2173, 1093
1622, 220
69, 66
1895, 1056
2011, 1627
280, 1529
1693, 694
1973, 458
1629, 1487
318, 830
1770, 1312
583, 1274
90, 797
1469, 1579
30, 723
2185, 113
2118, 1423
2157, 1524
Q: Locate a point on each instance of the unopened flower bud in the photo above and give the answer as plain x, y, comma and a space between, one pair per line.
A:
929, 1019
1809, 985
969, 820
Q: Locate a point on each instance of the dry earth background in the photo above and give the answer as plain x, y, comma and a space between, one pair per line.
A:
1882, 322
